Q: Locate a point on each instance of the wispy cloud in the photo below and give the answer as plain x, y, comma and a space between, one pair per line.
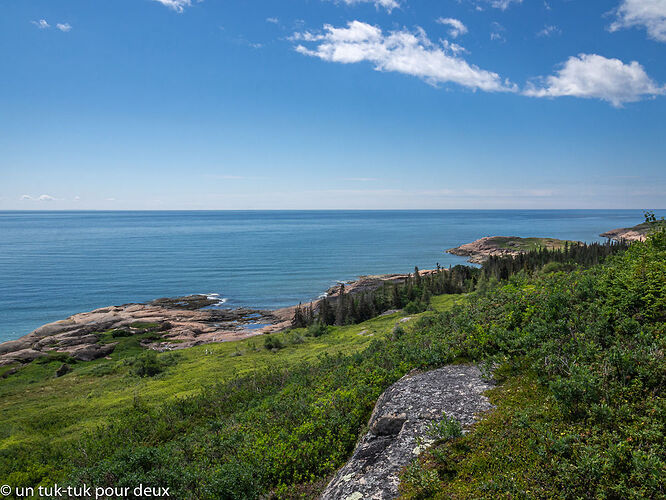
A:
41, 24
43, 197
389, 5
177, 5
402, 51
495, 4
456, 27
497, 31
649, 14
596, 77
272, 20
549, 31
502, 4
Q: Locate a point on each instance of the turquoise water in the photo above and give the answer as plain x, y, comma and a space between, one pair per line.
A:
54, 264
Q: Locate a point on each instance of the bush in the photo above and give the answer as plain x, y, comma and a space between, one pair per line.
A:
415, 307
446, 429
149, 364
60, 357
273, 343
121, 332
556, 267
317, 329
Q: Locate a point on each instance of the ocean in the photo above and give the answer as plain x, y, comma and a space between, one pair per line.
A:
55, 264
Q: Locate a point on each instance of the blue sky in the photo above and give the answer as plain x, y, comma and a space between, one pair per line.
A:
176, 104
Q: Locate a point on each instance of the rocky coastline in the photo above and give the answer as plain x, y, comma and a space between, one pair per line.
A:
175, 323
635, 233
502, 246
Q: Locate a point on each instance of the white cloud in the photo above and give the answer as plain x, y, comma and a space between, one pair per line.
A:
596, 77
177, 5
502, 4
43, 197
64, 27
272, 20
650, 14
496, 33
41, 24
453, 47
410, 53
456, 29
389, 5
549, 30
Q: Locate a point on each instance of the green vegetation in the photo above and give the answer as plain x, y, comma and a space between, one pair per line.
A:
529, 244
576, 339
581, 411
43, 418
413, 295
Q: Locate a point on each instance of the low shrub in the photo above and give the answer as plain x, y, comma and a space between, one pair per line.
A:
272, 342
317, 329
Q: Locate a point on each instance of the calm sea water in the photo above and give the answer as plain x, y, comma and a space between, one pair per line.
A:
54, 264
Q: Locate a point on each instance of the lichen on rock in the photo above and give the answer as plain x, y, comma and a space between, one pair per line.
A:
398, 429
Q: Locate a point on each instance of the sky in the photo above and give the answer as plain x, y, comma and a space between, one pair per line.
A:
325, 104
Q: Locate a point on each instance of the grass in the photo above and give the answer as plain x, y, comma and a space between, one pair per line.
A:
38, 410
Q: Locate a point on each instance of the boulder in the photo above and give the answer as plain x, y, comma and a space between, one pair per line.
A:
91, 351
399, 425
63, 370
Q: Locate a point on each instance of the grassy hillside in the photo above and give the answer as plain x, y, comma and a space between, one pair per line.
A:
43, 416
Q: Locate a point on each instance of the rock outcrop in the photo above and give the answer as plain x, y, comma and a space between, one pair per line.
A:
635, 233
178, 323
398, 429
478, 251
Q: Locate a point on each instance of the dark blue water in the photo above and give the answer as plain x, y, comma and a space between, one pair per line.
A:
54, 264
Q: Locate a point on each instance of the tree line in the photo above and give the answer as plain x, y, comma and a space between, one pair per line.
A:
414, 293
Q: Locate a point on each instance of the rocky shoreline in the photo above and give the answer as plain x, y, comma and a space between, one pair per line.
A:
635, 233
176, 323
502, 246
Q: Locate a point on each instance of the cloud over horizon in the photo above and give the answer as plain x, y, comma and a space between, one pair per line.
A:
43, 197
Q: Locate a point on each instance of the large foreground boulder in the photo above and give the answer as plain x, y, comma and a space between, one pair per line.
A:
398, 429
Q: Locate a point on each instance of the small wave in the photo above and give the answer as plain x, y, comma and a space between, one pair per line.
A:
216, 297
